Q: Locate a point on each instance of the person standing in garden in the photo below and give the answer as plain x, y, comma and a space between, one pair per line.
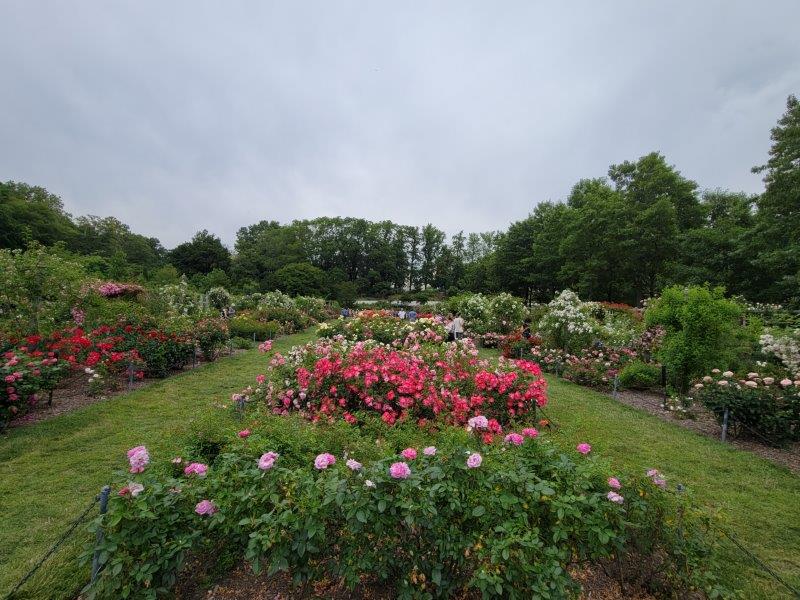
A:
457, 327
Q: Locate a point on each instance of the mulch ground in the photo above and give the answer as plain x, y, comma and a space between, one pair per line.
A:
73, 393
704, 423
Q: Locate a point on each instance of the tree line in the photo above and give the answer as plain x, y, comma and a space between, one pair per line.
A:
618, 238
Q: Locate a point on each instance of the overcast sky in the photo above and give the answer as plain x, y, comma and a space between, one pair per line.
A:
179, 116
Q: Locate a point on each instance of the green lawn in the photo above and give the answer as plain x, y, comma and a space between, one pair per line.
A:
49, 471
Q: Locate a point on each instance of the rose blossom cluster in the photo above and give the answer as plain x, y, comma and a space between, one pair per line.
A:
335, 378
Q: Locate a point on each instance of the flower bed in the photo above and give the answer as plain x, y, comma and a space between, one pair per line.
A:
764, 407
26, 373
381, 326
501, 521
419, 381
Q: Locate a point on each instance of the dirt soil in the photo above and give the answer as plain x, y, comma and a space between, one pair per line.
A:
706, 424
242, 584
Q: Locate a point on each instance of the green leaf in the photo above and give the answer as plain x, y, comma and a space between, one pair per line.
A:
478, 510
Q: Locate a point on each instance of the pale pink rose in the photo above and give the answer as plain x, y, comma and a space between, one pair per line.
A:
715, 371
708, 379
769, 380
615, 497
177, 460
786, 382
750, 383
135, 489
205, 507
138, 458
728, 374
479, 422
267, 461
474, 460
752, 375
722, 382
323, 461
613, 482
353, 465
429, 451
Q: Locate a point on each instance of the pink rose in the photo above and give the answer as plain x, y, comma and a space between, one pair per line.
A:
325, 460
429, 451
474, 460
514, 438
400, 470
409, 454
613, 482
198, 469
353, 465
138, 458
583, 448
615, 497
205, 507
244, 433
267, 460
530, 432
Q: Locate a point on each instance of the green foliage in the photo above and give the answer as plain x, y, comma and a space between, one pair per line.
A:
219, 298
38, 287
758, 407
639, 375
211, 336
433, 534
202, 254
300, 278
245, 325
703, 331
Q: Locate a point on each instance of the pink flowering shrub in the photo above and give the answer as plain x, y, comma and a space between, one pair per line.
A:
393, 522
27, 375
419, 382
112, 289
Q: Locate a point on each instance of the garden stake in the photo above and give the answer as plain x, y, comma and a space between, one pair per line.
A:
100, 534
664, 385
725, 424
616, 386
50, 398
130, 376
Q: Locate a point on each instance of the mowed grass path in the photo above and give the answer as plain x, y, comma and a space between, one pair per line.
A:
49, 471
757, 501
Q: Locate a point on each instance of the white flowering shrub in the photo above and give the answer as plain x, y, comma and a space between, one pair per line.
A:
568, 323
180, 299
507, 313
784, 345
218, 298
276, 299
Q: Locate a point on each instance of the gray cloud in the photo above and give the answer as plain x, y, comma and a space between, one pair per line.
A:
187, 115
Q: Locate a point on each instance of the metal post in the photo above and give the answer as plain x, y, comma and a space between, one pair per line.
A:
130, 375
616, 386
725, 424
104, 493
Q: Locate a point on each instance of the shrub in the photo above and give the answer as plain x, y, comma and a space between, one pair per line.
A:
420, 381
639, 375
290, 318
24, 373
702, 330
244, 325
568, 323
758, 406
596, 368
211, 335
219, 298
506, 522
313, 307
381, 326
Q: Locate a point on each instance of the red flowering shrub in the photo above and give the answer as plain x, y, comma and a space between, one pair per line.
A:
114, 347
334, 378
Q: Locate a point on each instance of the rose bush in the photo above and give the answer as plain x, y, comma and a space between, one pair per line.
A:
382, 326
413, 380
506, 521
24, 374
764, 407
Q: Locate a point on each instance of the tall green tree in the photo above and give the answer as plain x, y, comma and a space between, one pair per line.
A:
204, 253
777, 233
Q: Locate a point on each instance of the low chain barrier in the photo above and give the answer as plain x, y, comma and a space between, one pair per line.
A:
100, 499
